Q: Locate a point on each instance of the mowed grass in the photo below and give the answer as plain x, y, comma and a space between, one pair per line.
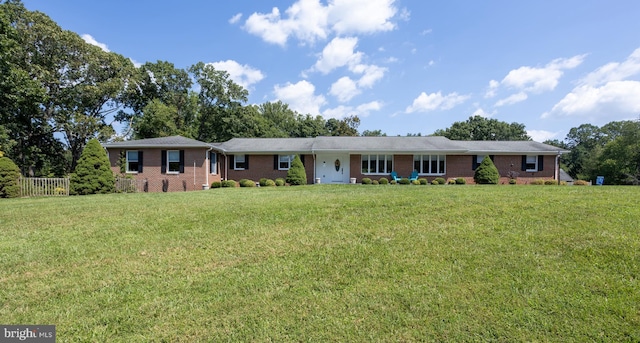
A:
327, 263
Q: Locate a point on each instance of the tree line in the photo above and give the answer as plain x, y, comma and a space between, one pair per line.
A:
57, 92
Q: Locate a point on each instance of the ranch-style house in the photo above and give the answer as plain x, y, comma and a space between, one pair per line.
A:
179, 164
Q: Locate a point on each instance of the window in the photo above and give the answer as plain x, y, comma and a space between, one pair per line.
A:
284, 161
173, 161
531, 164
377, 164
213, 161
134, 161
430, 164
239, 162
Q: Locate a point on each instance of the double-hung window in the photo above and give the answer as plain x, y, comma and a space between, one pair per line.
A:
133, 161
284, 161
213, 162
239, 162
173, 161
430, 164
377, 164
531, 163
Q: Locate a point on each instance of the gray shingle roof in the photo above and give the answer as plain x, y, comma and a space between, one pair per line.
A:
266, 145
509, 147
161, 142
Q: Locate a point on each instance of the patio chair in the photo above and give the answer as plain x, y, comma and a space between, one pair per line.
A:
395, 177
414, 176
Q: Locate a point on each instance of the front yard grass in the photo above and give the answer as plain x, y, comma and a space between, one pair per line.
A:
327, 263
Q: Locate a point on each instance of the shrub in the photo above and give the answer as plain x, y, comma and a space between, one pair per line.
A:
216, 184
550, 182
435, 182
415, 182
441, 181
366, 181
296, 174
580, 183
269, 183
513, 181
247, 183
9, 178
423, 181
263, 182
404, 181
280, 182
93, 173
375, 182
461, 181
452, 181
393, 182
537, 182
486, 173
228, 183
383, 181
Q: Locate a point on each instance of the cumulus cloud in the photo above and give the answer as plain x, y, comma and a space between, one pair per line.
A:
541, 135
605, 93
344, 89
236, 18
362, 110
243, 75
89, 39
338, 53
526, 79
482, 113
310, 20
435, 101
301, 97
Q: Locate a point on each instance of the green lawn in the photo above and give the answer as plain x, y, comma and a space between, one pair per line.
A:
327, 263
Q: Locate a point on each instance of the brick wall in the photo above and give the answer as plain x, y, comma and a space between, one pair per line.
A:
192, 178
262, 166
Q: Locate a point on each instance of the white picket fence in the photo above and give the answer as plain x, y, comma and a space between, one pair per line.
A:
44, 187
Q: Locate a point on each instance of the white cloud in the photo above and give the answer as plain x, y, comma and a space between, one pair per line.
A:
243, 75
362, 110
483, 113
605, 93
370, 74
541, 135
236, 18
89, 39
338, 53
493, 88
435, 101
344, 89
536, 80
300, 97
512, 99
310, 20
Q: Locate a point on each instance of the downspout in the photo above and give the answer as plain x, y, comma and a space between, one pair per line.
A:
314, 165
557, 171
206, 160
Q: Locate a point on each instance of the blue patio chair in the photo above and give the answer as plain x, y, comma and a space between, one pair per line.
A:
414, 176
395, 177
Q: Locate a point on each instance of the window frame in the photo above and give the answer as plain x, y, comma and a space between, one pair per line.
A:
169, 162
236, 162
213, 163
374, 164
535, 164
439, 160
287, 163
129, 161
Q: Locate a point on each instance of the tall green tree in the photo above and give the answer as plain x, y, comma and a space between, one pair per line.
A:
93, 173
619, 160
345, 127
478, 128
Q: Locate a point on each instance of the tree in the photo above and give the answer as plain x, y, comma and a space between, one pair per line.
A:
619, 159
9, 178
478, 128
297, 174
486, 173
345, 127
373, 133
93, 174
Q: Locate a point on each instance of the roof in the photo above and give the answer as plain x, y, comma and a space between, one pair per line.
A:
161, 142
564, 176
351, 144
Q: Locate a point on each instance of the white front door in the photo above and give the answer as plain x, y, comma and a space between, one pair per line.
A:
332, 168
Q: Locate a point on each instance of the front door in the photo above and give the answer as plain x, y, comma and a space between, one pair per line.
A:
332, 168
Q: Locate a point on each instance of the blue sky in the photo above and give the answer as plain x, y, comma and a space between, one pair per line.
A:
403, 66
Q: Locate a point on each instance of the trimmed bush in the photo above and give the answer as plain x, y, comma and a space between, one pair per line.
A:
415, 182
393, 182
435, 182
423, 181
461, 181
486, 173
537, 182
93, 174
581, 183
441, 181
550, 182
375, 182
383, 181
366, 181
216, 184
451, 181
247, 183
9, 178
228, 183
513, 181
404, 181
269, 183
296, 174
280, 182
